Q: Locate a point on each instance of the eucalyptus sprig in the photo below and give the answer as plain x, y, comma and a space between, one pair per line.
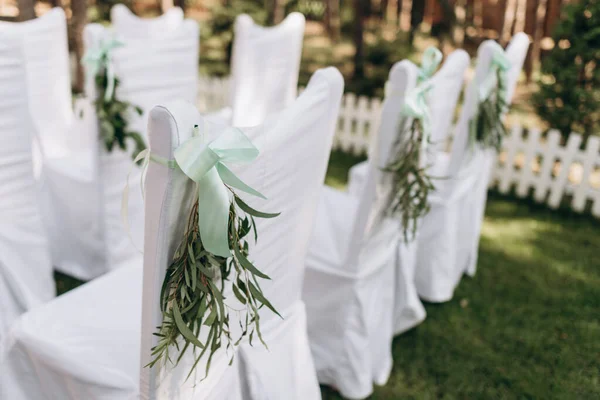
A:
487, 127
411, 182
192, 292
112, 116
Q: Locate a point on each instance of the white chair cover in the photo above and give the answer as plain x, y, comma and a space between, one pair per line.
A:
448, 231
150, 71
86, 344
92, 342
516, 53
442, 99
350, 264
294, 146
126, 23
25, 269
264, 68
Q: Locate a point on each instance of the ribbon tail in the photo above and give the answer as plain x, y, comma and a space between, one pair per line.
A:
213, 214
143, 155
232, 180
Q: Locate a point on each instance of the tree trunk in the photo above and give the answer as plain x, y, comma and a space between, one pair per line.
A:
417, 12
26, 9
538, 34
180, 4
358, 37
278, 11
332, 18
56, 3
78, 21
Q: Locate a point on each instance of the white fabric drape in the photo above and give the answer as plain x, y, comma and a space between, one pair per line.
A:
446, 85
126, 23
25, 268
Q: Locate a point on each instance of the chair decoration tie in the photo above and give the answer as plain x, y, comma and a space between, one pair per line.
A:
486, 127
111, 111
213, 246
411, 182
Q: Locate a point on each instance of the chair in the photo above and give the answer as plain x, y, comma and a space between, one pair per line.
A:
150, 71
446, 85
448, 231
25, 269
351, 264
126, 23
265, 63
516, 51
88, 343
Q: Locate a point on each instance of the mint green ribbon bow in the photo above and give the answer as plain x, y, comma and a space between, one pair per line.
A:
432, 57
100, 57
205, 165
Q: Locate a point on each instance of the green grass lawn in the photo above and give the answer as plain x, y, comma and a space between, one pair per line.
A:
527, 326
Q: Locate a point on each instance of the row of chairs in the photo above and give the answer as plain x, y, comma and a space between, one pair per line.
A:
345, 284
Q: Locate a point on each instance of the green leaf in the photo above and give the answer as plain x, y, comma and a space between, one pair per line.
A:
245, 207
247, 264
183, 328
238, 294
260, 297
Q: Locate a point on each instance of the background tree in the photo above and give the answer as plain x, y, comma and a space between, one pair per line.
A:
332, 18
569, 95
26, 9
77, 23
358, 37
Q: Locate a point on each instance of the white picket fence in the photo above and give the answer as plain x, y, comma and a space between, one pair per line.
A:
529, 162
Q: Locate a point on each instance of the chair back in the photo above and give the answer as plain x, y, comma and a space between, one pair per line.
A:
377, 189
151, 71
264, 68
516, 53
294, 149
45, 47
25, 267
126, 23
446, 85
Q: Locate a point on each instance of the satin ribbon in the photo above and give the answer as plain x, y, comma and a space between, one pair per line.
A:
432, 57
100, 57
205, 165
497, 74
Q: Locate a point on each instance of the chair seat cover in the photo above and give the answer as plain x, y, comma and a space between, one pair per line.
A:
349, 309
90, 348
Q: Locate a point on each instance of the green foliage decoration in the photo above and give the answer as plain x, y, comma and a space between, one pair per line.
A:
487, 128
411, 181
192, 298
113, 114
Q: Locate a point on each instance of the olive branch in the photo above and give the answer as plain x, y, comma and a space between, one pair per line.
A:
192, 298
112, 115
411, 182
489, 129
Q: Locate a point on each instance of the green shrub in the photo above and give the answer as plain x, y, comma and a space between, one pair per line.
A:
569, 95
